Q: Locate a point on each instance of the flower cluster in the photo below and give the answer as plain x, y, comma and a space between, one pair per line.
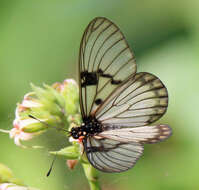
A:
55, 106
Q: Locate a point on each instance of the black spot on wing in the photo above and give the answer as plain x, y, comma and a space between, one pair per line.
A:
106, 75
88, 78
98, 101
116, 81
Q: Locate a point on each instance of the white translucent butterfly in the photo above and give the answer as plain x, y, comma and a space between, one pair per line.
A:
117, 104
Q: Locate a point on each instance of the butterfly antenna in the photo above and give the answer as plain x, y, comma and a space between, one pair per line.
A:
31, 116
51, 167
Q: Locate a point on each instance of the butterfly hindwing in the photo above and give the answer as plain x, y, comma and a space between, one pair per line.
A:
144, 135
118, 150
110, 155
105, 61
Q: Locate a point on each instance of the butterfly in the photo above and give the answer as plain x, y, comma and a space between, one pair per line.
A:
117, 104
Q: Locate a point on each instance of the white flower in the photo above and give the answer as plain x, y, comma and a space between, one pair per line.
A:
29, 102
11, 186
17, 132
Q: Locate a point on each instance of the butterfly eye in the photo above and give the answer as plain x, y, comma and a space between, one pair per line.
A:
75, 132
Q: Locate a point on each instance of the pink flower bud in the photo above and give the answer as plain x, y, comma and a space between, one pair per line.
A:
17, 132
70, 81
71, 163
60, 87
29, 102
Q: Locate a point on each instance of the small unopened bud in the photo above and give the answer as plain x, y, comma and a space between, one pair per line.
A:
71, 163
6, 175
69, 152
70, 91
29, 102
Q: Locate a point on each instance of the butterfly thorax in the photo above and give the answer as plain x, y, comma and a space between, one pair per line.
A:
89, 127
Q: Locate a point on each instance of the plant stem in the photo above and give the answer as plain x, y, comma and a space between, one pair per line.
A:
92, 176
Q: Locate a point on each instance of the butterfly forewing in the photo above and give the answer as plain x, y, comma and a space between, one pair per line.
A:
110, 155
105, 61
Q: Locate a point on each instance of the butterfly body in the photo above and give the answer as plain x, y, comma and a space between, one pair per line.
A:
117, 104
88, 128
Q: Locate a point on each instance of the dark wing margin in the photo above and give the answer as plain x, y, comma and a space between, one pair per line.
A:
140, 101
111, 156
105, 61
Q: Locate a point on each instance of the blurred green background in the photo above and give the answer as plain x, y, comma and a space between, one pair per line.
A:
39, 42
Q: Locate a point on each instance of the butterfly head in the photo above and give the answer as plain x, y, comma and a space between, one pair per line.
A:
79, 132
75, 132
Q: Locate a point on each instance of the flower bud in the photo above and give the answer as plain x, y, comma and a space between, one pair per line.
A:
24, 127
29, 102
20, 130
52, 101
69, 90
70, 152
71, 163
6, 175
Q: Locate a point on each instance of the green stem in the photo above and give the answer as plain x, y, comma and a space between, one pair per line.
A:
92, 176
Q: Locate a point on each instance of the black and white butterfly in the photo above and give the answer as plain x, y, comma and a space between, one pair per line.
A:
117, 104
